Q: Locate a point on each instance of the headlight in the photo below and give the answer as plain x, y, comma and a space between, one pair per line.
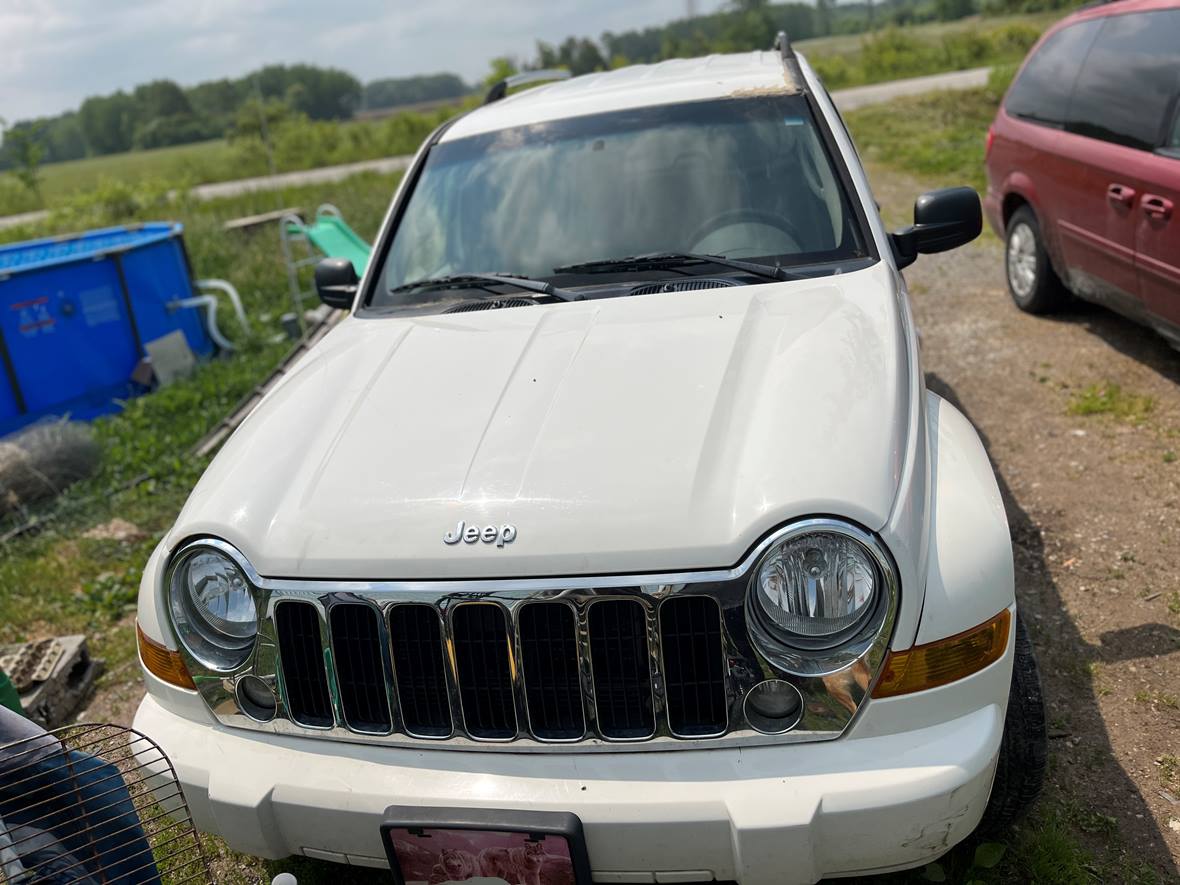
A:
213, 609
818, 596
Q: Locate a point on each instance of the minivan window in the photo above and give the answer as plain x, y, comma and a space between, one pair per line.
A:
1129, 80
1042, 90
746, 178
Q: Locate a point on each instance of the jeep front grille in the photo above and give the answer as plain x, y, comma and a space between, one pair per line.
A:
534, 665
494, 673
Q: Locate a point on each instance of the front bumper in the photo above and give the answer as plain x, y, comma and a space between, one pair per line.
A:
910, 780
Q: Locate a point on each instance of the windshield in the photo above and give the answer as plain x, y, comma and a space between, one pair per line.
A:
743, 178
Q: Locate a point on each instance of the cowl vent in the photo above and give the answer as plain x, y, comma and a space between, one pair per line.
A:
691, 284
490, 304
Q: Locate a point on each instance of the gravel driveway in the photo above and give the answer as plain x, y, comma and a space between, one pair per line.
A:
1093, 502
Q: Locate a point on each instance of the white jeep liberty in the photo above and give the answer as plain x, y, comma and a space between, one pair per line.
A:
613, 536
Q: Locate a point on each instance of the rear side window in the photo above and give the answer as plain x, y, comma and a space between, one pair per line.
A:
1041, 93
1128, 83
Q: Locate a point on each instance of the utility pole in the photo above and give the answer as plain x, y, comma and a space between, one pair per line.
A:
690, 8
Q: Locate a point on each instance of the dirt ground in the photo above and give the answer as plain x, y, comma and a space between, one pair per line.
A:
1093, 503
1094, 506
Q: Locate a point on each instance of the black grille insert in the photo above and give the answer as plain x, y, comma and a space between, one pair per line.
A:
356, 650
694, 666
419, 670
297, 625
549, 656
622, 677
483, 660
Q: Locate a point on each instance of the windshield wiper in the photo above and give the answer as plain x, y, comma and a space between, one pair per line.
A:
658, 260
486, 281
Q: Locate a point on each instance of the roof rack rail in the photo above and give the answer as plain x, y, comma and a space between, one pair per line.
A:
499, 90
782, 45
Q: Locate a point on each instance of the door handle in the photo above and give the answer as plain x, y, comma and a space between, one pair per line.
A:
1121, 195
1156, 206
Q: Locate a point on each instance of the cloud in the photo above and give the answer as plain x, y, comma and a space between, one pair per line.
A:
58, 52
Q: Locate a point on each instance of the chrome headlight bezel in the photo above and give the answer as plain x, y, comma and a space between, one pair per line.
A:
819, 656
212, 648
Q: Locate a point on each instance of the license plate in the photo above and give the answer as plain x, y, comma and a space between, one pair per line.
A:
434, 846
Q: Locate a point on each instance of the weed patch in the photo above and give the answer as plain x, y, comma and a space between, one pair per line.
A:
1110, 399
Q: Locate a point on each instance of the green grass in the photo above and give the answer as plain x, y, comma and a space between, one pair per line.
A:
1110, 399
897, 53
939, 137
186, 163
848, 45
56, 581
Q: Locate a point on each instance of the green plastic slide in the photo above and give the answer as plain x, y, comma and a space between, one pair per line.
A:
8, 696
334, 238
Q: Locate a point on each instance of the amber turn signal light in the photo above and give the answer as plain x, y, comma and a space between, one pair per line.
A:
937, 663
163, 662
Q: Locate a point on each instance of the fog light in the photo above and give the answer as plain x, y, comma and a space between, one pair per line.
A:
773, 706
256, 699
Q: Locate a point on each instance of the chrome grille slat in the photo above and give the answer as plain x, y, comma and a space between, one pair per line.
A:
484, 667
693, 666
549, 661
420, 672
620, 662
305, 682
360, 671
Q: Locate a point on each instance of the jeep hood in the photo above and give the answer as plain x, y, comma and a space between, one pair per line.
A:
662, 432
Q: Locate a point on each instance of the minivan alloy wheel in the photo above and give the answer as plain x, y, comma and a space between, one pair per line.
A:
1022, 259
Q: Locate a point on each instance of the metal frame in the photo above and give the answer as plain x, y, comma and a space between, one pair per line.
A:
847, 672
313, 256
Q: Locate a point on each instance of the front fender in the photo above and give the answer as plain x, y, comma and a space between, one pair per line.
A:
969, 575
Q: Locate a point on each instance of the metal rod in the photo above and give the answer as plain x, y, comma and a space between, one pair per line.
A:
118, 259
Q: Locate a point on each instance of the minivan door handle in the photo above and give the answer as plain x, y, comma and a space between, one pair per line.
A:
1121, 195
1157, 207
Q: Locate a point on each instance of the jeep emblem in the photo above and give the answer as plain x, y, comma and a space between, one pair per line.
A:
489, 534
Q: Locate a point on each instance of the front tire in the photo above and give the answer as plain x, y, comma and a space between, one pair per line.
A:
1024, 748
1032, 282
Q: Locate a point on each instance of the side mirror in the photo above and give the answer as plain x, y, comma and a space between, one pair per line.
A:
336, 282
943, 219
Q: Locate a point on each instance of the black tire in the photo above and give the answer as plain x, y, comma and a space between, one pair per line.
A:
1024, 749
1032, 282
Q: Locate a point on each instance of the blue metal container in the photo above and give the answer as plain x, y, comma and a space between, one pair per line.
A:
76, 312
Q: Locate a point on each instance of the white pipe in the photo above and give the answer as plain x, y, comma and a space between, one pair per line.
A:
210, 302
231, 293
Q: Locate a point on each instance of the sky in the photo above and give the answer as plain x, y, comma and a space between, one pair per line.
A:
57, 52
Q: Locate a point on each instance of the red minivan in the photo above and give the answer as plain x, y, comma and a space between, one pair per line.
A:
1083, 165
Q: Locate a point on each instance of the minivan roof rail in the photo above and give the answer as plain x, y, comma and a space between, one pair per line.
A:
499, 90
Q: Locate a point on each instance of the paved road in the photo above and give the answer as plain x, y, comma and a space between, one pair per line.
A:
846, 100
860, 96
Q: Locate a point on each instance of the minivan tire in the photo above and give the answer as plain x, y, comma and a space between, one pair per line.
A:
1024, 748
1032, 282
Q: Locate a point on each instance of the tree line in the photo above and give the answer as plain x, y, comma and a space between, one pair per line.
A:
163, 113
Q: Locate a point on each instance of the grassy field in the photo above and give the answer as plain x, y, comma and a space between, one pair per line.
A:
939, 136
182, 164
848, 45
